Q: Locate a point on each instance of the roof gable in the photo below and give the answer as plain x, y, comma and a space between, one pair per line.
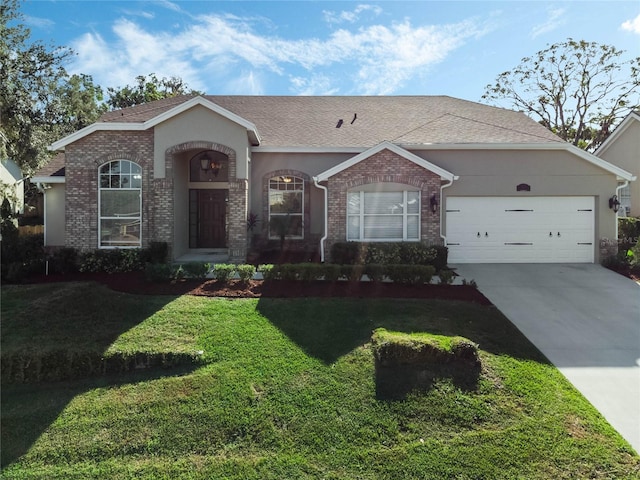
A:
393, 148
157, 119
620, 129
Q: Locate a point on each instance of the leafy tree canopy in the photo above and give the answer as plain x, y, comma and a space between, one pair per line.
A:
39, 102
148, 89
577, 89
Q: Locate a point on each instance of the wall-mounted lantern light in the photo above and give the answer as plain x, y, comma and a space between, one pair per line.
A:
209, 163
614, 203
433, 203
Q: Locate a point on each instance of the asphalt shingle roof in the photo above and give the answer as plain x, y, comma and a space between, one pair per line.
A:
284, 121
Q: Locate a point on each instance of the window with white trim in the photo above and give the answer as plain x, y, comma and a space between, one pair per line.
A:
286, 207
625, 200
120, 204
383, 216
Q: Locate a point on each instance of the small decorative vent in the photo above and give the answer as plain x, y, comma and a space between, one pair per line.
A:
523, 187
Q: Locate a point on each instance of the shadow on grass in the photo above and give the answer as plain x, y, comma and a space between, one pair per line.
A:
327, 328
396, 382
29, 409
66, 323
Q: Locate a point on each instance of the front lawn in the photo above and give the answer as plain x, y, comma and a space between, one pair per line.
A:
286, 390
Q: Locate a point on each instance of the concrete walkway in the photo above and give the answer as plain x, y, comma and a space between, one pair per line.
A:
585, 319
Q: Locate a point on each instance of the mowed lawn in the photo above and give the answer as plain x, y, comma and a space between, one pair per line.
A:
286, 389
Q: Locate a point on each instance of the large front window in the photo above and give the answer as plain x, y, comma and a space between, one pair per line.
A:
383, 216
286, 207
120, 204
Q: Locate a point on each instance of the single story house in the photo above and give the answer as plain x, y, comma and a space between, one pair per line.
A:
622, 148
490, 184
12, 185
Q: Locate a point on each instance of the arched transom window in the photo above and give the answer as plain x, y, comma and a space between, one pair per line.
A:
286, 207
120, 204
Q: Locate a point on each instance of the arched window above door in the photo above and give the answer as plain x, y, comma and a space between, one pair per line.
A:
209, 166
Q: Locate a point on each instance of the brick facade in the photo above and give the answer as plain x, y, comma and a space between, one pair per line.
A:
83, 158
383, 167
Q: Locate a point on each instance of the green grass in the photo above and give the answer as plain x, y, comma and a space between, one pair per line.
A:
288, 391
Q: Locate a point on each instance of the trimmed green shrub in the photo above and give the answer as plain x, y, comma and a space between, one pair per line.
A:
110, 260
196, 270
223, 271
160, 272
391, 253
375, 272
246, 272
288, 271
63, 260
156, 252
308, 272
268, 272
410, 274
331, 272
446, 277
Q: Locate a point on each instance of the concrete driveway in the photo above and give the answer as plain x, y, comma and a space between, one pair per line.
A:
585, 319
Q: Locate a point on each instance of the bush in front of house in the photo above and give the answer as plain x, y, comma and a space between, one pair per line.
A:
389, 253
196, 270
246, 272
223, 271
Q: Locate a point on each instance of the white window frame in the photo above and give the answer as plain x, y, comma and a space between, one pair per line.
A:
137, 219
361, 215
295, 180
625, 200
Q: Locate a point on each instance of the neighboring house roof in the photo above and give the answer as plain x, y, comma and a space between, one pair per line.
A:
12, 169
628, 120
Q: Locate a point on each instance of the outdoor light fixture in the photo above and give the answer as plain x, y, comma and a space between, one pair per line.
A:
433, 203
209, 163
614, 203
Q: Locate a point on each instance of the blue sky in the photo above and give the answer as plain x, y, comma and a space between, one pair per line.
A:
322, 48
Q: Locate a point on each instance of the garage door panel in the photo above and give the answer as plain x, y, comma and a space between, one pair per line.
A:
520, 229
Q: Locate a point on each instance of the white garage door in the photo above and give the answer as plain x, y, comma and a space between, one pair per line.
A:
520, 229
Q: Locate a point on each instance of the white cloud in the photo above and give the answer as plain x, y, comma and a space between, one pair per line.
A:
632, 26
350, 16
554, 20
38, 22
225, 52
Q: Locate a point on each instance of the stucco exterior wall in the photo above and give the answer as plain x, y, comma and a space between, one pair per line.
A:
201, 124
265, 165
625, 153
54, 213
549, 173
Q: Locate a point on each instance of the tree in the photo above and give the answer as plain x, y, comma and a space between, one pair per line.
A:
39, 102
577, 89
148, 89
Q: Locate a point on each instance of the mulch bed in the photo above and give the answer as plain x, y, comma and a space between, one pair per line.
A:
135, 283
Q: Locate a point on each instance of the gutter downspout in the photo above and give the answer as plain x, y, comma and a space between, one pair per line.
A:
442, 187
326, 217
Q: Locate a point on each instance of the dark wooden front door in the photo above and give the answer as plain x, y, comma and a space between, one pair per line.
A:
210, 216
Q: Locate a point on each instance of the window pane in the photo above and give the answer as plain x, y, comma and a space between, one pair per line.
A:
120, 203
290, 225
382, 202
121, 232
285, 202
413, 230
413, 202
353, 228
381, 227
353, 202
136, 180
